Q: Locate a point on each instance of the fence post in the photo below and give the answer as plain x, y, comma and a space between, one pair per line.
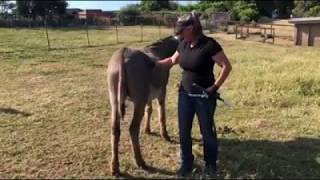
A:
236, 31
47, 34
141, 31
159, 29
117, 33
206, 22
29, 21
87, 30
273, 35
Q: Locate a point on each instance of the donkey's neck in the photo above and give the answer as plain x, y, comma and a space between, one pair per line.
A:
157, 53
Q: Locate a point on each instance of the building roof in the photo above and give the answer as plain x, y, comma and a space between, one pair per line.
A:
70, 10
109, 13
92, 10
308, 20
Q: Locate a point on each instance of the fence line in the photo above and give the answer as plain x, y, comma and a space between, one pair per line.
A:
158, 24
47, 34
118, 34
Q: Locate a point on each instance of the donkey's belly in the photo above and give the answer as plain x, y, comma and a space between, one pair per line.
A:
154, 92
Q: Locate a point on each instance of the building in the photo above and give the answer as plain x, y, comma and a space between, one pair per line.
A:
98, 16
73, 12
109, 14
90, 13
307, 31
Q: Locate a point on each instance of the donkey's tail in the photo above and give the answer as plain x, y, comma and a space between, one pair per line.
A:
116, 83
122, 82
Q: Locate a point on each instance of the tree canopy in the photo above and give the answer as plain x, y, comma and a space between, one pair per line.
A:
36, 8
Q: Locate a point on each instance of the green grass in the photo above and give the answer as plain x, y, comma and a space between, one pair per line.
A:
55, 114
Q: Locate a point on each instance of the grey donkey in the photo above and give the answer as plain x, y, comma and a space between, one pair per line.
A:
132, 75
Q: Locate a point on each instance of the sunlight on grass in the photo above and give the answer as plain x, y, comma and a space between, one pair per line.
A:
55, 114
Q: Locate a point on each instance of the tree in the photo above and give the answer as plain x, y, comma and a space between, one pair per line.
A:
284, 7
173, 5
36, 8
306, 8
245, 11
299, 9
157, 5
6, 6
129, 14
3, 5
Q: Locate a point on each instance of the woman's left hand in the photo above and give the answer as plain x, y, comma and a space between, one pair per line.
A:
212, 89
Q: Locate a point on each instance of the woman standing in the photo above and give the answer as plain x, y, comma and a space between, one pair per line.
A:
197, 55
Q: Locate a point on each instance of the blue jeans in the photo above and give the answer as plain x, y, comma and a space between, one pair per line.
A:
188, 106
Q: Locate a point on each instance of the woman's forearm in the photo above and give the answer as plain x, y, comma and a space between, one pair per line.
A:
225, 71
167, 62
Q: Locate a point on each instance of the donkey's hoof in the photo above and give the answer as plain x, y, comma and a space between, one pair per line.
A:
115, 172
142, 165
114, 167
147, 131
166, 137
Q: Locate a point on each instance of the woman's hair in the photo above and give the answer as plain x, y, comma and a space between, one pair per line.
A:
197, 27
189, 19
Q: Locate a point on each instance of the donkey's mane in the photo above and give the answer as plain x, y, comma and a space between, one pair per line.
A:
157, 43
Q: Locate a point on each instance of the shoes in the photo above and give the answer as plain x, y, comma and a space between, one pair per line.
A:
211, 170
184, 171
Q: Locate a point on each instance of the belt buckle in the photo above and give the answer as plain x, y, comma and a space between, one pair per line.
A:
202, 95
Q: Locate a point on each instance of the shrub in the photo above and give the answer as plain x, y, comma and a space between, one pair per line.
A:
244, 11
129, 14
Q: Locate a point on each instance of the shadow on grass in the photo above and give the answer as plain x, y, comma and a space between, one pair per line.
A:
154, 170
270, 159
298, 158
172, 140
14, 112
128, 176
149, 169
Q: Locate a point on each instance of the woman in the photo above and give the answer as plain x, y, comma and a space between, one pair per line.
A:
197, 55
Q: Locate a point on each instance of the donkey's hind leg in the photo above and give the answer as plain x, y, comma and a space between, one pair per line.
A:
115, 130
134, 133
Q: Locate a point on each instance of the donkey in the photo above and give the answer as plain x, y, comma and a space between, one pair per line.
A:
132, 75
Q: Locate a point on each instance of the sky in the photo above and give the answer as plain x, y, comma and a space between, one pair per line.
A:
108, 5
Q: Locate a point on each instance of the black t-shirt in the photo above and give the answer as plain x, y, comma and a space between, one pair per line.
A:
197, 63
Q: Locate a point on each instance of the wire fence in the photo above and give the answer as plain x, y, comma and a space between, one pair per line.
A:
140, 29
88, 36
115, 32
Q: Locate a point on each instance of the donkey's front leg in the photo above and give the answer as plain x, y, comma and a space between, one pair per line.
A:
147, 115
162, 118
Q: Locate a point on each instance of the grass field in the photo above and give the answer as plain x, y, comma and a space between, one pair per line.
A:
54, 109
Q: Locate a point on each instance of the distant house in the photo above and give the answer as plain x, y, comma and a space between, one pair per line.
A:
73, 12
98, 16
90, 13
307, 31
109, 14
